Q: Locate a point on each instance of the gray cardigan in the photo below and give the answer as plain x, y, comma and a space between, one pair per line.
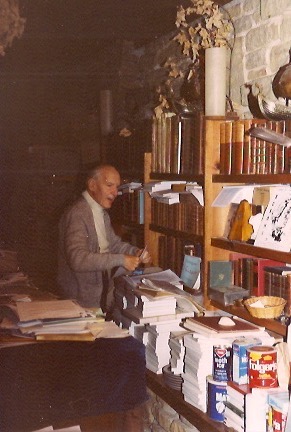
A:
80, 263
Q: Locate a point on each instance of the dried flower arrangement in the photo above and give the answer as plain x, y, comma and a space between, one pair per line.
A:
201, 25
11, 23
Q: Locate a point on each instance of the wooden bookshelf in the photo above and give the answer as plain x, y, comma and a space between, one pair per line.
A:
174, 398
215, 247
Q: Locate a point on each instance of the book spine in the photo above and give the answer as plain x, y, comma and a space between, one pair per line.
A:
237, 147
268, 282
258, 150
174, 168
168, 143
255, 277
198, 147
261, 157
228, 147
222, 148
247, 147
154, 144
253, 154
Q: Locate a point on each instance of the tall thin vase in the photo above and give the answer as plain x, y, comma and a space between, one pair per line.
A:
215, 81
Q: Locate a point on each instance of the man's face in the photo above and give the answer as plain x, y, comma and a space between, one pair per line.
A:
104, 187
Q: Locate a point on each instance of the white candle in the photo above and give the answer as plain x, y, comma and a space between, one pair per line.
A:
215, 81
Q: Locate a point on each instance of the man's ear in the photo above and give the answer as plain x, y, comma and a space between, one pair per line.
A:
91, 184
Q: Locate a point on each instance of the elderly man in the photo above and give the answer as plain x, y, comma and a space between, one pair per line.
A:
89, 249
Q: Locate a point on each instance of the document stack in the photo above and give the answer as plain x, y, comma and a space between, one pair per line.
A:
152, 306
158, 351
198, 365
178, 350
208, 333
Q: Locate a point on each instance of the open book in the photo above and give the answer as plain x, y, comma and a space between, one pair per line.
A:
158, 288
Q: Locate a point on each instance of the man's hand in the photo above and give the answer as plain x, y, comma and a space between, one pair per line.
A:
131, 262
144, 256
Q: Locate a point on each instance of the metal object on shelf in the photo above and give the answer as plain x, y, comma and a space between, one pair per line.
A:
273, 110
270, 136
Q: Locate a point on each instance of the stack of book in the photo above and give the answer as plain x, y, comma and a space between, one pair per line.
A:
154, 305
278, 283
58, 320
235, 410
185, 215
249, 272
158, 186
158, 349
198, 365
243, 153
172, 251
207, 334
130, 204
177, 144
177, 351
151, 304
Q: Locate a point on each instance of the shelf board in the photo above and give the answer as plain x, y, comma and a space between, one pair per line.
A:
252, 178
171, 176
174, 398
175, 233
241, 312
248, 249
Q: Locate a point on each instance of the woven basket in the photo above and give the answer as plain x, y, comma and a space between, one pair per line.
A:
274, 306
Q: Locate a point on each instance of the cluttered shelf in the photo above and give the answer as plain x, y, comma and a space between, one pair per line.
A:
175, 233
241, 312
252, 178
171, 176
175, 399
249, 249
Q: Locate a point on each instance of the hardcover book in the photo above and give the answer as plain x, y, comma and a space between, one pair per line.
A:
227, 295
191, 269
220, 274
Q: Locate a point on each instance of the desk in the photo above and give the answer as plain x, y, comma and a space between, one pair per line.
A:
46, 383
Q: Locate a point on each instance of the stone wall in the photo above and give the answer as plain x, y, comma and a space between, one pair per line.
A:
160, 417
262, 43
261, 47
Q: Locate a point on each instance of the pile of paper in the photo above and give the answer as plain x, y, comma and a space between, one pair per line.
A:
177, 351
157, 347
198, 365
63, 320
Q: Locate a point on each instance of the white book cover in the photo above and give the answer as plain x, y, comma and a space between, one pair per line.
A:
275, 229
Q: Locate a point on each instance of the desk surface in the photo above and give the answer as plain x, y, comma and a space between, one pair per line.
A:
43, 383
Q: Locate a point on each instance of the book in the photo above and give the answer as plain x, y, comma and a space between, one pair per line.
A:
78, 337
226, 151
249, 272
237, 148
227, 295
278, 284
50, 309
247, 148
222, 148
187, 144
198, 147
185, 301
237, 394
270, 136
210, 326
190, 274
220, 273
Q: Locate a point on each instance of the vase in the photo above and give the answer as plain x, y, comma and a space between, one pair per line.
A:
215, 81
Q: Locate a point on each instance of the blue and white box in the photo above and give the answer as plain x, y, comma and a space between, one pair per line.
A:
240, 358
